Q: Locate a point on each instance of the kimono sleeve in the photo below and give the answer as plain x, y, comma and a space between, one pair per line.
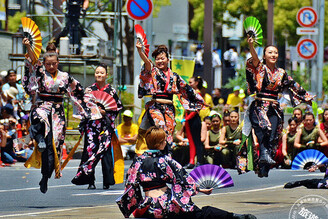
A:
253, 76
132, 196
188, 97
146, 82
297, 93
32, 77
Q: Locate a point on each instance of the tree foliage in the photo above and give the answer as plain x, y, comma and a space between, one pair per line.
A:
15, 21
197, 22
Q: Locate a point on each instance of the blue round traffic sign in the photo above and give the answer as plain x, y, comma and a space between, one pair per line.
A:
139, 9
307, 48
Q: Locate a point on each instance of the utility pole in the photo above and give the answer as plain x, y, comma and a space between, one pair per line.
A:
207, 36
270, 36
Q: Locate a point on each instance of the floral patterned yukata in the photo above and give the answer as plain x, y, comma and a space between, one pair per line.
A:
97, 145
153, 170
47, 115
266, 117
159, 84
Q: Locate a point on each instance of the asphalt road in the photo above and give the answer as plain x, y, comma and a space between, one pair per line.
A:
20, 195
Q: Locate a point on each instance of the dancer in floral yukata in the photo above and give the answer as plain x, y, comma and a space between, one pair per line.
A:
48, 85
154, 171
160, 82
264, 114
98, 136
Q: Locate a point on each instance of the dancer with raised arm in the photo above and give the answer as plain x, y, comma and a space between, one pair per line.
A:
159, 81
48, 84
266, 80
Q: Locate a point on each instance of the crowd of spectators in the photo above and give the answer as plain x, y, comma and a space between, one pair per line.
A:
15, 106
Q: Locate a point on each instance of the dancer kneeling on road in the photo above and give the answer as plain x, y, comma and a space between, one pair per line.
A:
153, 171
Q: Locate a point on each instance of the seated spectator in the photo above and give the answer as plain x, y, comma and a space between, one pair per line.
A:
288, 139
307, 137
212, 146
226, 118
208, 122
298, 114
234, 99
12, 82
230, 140
217, 97
127, 134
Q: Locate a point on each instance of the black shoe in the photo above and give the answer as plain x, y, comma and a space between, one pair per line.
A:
105, 186
266, 159
189, 166
91, 186
43, 184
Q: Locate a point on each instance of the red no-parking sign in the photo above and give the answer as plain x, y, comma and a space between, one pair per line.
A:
307, 17
306, 48
139, 9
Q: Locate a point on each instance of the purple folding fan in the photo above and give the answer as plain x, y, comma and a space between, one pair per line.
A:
211, 176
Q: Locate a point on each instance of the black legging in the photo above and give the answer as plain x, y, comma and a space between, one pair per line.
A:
37, 131
309, 183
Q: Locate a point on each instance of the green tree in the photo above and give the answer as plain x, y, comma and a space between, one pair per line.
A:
197, 22
15, 21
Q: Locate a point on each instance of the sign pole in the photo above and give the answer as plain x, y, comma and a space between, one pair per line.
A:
314, 69
321, 48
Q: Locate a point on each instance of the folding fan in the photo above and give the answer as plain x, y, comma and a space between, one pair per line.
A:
32, 32
308, 156
211, 176
253, 28
142, 38
105, 99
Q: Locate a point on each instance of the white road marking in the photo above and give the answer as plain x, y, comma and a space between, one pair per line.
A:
113, 192
311, 174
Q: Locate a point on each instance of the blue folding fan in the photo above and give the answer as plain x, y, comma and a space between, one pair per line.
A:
308, 156
211, 176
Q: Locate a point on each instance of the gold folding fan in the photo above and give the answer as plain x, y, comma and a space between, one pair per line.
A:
32, 32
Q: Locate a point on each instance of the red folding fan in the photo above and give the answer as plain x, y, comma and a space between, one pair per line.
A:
32, 32
142, 38
105, 99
